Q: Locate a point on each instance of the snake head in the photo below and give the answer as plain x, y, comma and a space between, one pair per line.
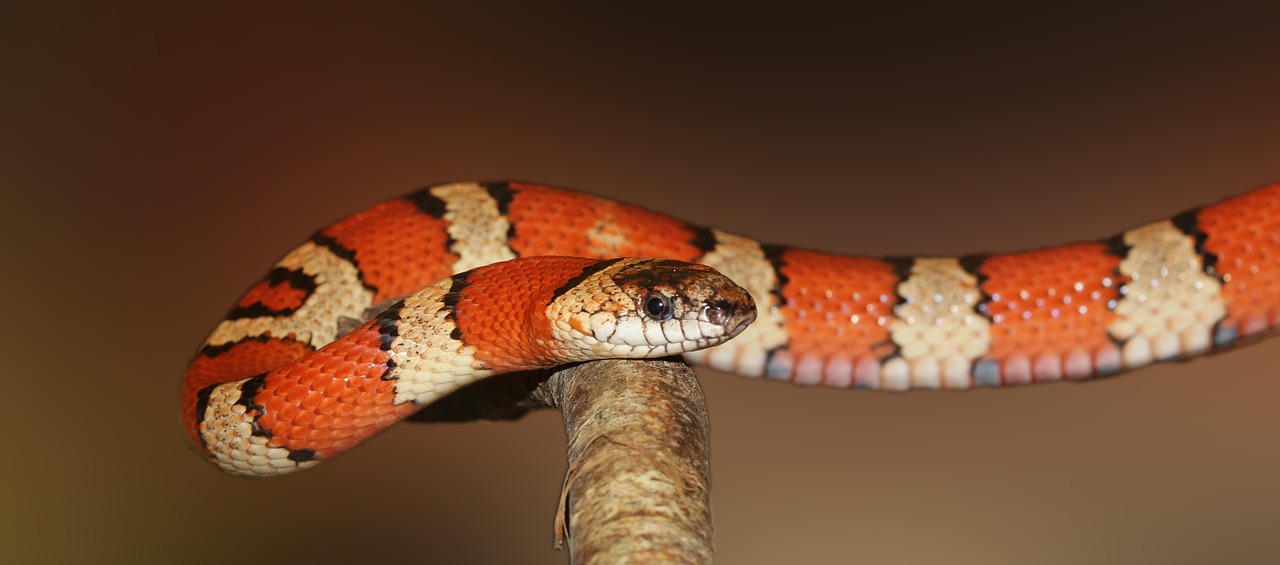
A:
638, 308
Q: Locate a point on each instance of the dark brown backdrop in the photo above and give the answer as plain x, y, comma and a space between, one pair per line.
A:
156, 160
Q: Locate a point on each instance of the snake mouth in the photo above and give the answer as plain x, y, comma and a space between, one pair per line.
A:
731, 330
720, 322
729, 327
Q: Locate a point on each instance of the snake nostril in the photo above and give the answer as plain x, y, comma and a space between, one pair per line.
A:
718, 313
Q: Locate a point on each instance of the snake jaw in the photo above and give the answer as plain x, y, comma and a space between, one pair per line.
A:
581, 323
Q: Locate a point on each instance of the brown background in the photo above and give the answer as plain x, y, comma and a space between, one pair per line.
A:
156, 160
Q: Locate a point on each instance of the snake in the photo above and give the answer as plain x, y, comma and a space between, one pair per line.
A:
485, 278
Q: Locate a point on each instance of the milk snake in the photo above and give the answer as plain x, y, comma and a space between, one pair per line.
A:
262, 398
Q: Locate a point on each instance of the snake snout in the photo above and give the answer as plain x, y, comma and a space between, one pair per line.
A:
733, 316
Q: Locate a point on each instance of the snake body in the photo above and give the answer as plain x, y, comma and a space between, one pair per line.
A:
531, 313
265, 395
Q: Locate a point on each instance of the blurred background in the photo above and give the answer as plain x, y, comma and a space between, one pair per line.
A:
158, 159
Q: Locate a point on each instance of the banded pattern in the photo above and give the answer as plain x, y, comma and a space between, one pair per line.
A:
517, 315
1200, 281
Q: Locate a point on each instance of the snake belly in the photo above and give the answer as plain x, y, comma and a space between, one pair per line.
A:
1197, 282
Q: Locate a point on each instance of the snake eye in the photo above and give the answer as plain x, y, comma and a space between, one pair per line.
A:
658, 307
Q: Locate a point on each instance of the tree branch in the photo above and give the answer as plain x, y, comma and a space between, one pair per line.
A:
638, 485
